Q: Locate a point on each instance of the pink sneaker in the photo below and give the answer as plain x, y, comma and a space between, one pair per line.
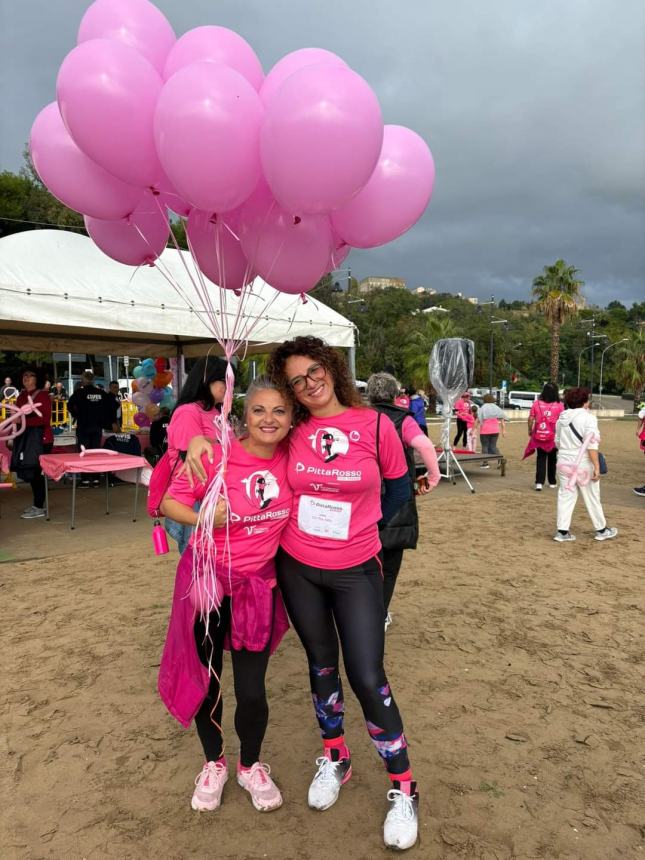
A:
265, 794
209, 785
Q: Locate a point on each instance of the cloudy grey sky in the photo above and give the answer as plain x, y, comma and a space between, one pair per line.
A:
535, 113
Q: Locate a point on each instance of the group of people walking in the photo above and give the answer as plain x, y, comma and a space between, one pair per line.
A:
314, 480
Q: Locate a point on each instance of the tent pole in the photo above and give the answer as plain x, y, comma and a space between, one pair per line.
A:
351, 355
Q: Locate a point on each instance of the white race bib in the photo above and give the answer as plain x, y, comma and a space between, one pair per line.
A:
324, 518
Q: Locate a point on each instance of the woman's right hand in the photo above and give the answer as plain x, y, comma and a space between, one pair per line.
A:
193, 466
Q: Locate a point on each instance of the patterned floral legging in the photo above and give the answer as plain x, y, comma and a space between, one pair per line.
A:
350, 601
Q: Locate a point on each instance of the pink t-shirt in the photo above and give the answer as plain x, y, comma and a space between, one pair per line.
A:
335, 477
462, 408
260, 501
546, 412
414, 437
189, 420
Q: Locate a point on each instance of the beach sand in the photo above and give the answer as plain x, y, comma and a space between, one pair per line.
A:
517, 664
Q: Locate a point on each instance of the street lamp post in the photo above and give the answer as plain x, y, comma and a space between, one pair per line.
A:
602, 358
582, 351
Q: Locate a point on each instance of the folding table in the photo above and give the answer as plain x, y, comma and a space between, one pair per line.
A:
56, 465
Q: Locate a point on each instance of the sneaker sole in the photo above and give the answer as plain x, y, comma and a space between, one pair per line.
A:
329, 805
257, 805
201, 806
31, 516
609, 537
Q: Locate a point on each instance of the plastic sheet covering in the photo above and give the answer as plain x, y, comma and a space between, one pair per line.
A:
451, 367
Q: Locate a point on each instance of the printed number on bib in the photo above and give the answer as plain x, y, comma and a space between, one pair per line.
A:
324, 518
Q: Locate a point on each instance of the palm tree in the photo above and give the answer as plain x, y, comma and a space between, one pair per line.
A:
418, 346
630, 365
558, 297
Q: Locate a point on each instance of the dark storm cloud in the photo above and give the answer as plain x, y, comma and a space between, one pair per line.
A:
535, 113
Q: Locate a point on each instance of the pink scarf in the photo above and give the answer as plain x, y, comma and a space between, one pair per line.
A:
578, 475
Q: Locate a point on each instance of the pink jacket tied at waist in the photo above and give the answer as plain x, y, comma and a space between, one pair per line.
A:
579, 475
258, 616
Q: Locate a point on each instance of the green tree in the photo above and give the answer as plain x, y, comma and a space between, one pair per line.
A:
558, 296
418, 346
630, 365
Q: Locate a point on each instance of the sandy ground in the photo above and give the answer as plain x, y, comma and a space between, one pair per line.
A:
517, 664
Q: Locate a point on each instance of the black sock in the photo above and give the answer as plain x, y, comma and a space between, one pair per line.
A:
563, 531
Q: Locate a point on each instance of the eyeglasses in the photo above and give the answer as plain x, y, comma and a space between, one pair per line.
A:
315, 373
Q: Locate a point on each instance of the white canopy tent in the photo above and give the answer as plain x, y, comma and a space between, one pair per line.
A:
60, 293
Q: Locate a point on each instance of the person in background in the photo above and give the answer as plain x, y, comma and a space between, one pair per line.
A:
57, 392
471, 433
417, 408
158, 436
402, 399
381, 392
464, 418
32, 386
113, 408
490, 423
542, 421
578, 427
90, 407
197, 408
640, 433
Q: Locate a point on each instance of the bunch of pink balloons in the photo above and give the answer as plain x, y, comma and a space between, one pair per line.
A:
278, 175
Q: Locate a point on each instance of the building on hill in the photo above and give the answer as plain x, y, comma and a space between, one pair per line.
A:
373, 283
424, 291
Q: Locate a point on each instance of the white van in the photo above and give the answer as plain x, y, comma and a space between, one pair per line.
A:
522, 399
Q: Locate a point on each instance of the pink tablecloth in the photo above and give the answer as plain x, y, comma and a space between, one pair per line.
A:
55, 465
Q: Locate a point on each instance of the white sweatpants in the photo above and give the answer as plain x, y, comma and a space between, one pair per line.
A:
567, 501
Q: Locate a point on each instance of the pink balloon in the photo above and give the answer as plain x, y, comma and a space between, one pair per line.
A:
107, 94
339, 254
218, 253
290, 252
169, 198
141, 419
290, 63
134, 241
136, 23
395, 196
321, 138
74, 178
207, 128
215, 45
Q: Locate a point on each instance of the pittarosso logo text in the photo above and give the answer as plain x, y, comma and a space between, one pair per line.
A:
339, 474
267, 515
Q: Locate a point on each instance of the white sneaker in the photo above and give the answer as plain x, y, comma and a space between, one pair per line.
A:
553, 486
325, 786
606, 534
388, 620
32, 513
401, 826
209, 785
564, 538
538, 487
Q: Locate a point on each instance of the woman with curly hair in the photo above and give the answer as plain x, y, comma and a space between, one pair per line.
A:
330, 568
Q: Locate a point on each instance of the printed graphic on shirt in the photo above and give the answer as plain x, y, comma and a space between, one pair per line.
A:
329, 442
261, 487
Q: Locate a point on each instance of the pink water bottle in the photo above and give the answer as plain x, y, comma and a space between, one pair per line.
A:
159, 539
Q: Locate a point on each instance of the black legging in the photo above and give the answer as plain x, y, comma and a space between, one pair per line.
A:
350, 601
249, 671
462, 428
392, 559
38, 481
546, 463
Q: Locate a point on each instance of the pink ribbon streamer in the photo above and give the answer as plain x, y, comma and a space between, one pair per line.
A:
15, 424
578, 475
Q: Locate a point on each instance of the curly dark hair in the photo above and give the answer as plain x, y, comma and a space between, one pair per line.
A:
574, 398
333, 362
